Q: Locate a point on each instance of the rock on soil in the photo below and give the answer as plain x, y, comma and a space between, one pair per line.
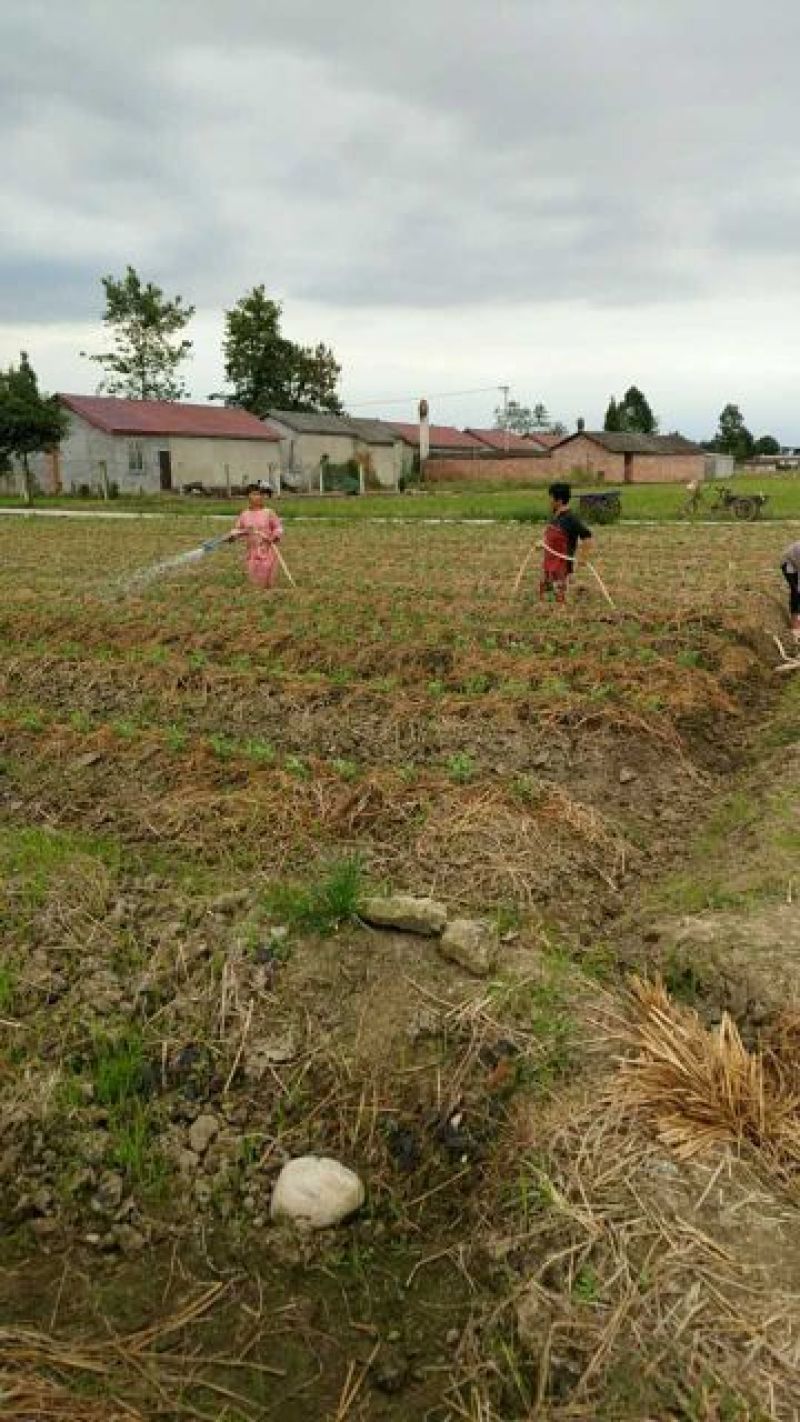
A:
315, 1192
202, 1133
472, 943
410, 915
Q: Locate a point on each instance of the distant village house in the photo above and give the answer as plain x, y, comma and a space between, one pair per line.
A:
617, 458
151, 446
309, 442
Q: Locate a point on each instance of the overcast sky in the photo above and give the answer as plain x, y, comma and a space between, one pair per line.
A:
565, 195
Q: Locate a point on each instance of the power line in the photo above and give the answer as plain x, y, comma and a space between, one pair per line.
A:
438, 395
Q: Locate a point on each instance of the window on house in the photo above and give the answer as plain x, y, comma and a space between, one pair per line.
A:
135, 457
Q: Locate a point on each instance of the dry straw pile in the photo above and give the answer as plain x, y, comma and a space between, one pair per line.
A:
702, 1088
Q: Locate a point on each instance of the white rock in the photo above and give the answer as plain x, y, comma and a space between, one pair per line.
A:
202, 1133
402, 911
472, 943
315, 1192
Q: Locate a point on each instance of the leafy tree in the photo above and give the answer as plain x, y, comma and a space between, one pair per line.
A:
29, 422
146, 324
767, 444
515, 417
523, 419
266, 370
613, 421
733, 436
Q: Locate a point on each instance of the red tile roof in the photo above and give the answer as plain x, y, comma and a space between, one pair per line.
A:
507, 440
165, 417
441, 436
547, 441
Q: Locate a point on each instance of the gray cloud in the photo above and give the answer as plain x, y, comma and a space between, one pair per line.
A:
450, 152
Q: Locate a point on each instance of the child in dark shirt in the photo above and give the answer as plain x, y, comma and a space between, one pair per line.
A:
562, 535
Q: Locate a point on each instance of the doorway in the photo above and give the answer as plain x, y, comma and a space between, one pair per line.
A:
628, 475
165, 470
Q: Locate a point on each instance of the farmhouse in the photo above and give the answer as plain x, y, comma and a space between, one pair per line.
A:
444, 440
150, 445
628, 458
309, 441
506, 441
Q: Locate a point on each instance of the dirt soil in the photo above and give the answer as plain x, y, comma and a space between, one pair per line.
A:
181, 794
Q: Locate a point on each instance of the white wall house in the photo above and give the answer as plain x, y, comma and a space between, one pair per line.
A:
147, 446
308, 440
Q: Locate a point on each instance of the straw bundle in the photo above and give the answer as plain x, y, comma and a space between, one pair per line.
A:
702, 1088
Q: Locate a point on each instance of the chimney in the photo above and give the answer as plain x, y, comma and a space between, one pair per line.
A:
424, 432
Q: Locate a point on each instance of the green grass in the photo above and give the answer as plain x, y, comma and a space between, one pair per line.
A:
659, 502
320, 907
8, 987
119, 1069
37, 856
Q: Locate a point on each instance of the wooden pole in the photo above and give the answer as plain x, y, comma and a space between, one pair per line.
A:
282, 562
523, 566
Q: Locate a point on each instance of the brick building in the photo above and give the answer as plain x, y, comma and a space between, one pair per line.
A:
628, 458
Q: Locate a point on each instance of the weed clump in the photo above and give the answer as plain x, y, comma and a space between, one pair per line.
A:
320, 907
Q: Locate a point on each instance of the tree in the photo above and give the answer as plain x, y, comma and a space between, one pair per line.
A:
266, 370
733, 436
767, 444
515, 417
523, 419
636, 414
29, 422
612, 420
558, 428
143, 364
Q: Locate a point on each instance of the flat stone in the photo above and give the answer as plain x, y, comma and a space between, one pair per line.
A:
315, 1192
626, 775
202, 1133
406, 913
472, 943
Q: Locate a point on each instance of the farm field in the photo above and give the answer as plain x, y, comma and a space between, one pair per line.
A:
657, 502
198, 786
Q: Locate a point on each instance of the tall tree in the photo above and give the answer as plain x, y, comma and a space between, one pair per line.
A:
147, 352
613, 422
636, 414
29, 421
268, 371
541, 418
733, 436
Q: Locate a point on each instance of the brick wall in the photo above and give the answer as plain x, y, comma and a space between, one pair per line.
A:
582, 458
535, 469
668, 468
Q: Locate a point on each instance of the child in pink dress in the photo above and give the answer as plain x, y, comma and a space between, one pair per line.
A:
263, 529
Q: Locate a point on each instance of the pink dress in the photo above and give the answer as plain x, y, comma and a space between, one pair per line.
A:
262, 528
